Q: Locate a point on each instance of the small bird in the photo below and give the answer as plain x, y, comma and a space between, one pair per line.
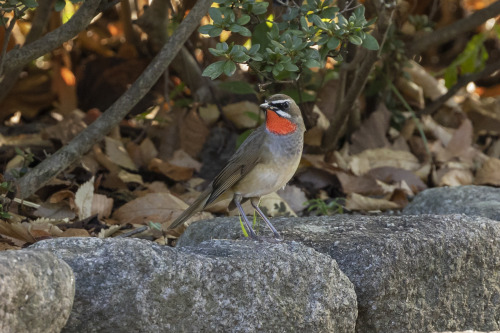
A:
265, 162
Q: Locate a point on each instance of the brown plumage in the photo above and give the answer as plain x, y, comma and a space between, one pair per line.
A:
264, 163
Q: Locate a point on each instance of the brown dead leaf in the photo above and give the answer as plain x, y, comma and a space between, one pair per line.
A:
484, 114
16, 230
66, 129
243, 115
441, 133
453, 177
192, 133
359, 202
294, 196
101, 205
412, 92
64, 195
373, 131
183, 159
314, 136
382, 157
209, 113
172, 171
431, 87
75, 232
83, 199
459, 144
56, 211
392, 175
489, 173
358, 184
128, 177
64, 86
155, 207
117, 153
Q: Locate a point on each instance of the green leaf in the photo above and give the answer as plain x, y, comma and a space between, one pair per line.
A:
355, 40
244, 19
238, 55
370, 43
215, 31
254, 49
240, 29
317, 21
229, 67
291, 67
310, 63
237, 87
260, 8
216, 15
450, 76
329, 12
204, 29
30, 3
333, 43
214, 70
59, 5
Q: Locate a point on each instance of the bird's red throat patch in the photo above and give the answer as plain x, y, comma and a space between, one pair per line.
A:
278, 125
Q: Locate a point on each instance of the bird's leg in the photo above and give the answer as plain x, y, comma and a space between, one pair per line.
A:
237, 201
255, 204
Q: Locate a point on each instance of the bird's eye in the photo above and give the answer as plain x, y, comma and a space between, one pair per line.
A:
282, 105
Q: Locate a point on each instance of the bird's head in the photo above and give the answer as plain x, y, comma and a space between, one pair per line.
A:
282, 115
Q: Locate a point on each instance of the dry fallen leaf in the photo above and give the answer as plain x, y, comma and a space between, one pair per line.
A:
117, 153
177, 173
392, 175
381, 157
155, 207
83, 199
453, 177
243, 115
489, 173
373, 131
356, 201
101, 205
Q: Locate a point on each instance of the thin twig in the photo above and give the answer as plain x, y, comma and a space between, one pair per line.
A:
450, 32
133, 232
6, 38
52, 166
461, 82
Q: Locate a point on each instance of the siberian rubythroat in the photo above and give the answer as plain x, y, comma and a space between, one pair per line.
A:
264, 163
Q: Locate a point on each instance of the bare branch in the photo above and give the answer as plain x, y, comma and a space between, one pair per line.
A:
6, 38
16, 59
448, 33
338, 120
462, 82
52, 166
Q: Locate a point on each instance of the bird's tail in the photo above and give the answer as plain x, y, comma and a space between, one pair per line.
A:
197, 206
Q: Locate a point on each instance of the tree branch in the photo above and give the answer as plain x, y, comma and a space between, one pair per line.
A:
338, 120
50, 167
461, 82
448, 33
16, 59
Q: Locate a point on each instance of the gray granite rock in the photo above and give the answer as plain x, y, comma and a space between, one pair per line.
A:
127, 285
36, 292
470, 200
411, 273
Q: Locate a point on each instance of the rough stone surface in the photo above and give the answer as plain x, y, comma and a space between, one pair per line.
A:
36, 292
127, 285
411, 273
470, 200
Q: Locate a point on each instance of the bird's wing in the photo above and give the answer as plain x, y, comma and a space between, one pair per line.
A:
239, 165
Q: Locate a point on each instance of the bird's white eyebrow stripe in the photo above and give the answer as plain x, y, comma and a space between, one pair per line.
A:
279, 101
283, 114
